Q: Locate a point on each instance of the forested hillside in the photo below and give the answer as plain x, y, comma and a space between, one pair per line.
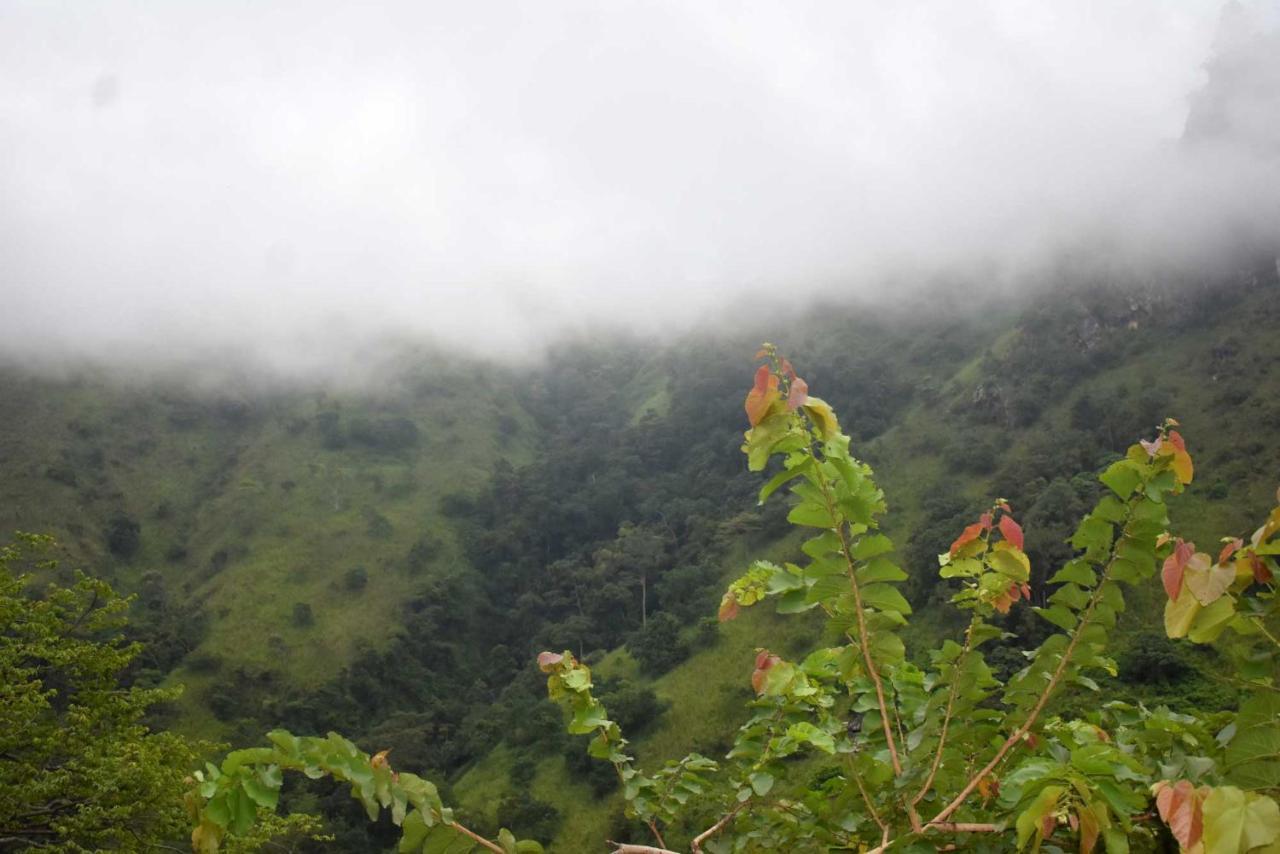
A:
396, 554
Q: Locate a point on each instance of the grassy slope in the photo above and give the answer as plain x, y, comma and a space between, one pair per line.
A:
707, 691
246, 484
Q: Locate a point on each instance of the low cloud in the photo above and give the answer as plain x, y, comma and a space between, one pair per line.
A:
297, 182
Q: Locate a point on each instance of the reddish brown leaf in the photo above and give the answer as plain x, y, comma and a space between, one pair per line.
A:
985, 521
1261, 573
1179, 807
1089, 830
1174, 564
1011, 530
1047, 824
1229, 549
728, 607
798, 395
547, 661
969, 534
764, 661
1026, 592
762, 395
788, 371
988, 787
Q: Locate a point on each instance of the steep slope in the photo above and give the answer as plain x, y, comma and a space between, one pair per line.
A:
286, 528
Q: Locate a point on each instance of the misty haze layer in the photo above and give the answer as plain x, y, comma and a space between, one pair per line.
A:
300, 180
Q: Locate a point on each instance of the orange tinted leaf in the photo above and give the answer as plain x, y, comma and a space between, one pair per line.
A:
788, 371
988, 787
762, 395
1011, 530
1174, 565
1229, 549
798, 395
1261, 573
1183, 468
728, 608
1089, 830
1179, 807
764, 661
969, 534
823, 417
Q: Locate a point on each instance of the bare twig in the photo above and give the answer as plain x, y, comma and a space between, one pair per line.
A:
696, 845
477, 838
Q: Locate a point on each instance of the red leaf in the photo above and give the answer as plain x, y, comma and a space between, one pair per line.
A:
787, 370
799, 394
970, 534
1261, 574
1175, 439
985, 521
1011, 530
1174, 564
1047, 824
762, 395
547, 661
728, 608
1229, 549
1179, 807
764, 661
1026, 592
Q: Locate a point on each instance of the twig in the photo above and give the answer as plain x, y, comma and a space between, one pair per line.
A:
864, 640
1021, 731
653, 825
946, 717
628, 848
477, 838
696, 845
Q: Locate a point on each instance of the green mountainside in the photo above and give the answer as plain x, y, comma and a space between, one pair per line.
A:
386, 562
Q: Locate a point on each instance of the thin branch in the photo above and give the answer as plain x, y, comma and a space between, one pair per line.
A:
628, 848
871, 807
946, 717
696, 845
1045, 695
864, 640
653, 825
477, 838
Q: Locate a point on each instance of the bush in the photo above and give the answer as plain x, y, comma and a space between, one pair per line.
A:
355, 579
123, 536
302, 616
657, 645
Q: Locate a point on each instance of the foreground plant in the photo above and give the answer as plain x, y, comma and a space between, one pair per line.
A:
914, 755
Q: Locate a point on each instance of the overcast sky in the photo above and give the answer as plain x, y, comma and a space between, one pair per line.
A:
293, 178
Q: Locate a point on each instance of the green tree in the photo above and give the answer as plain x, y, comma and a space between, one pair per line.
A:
81, 770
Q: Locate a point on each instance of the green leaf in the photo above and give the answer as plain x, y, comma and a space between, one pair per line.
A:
1030, 820
1122, 478
507, 841
811, 515
1059, 616
1076, 572
885, 597
782, 477
761, 782
879, 569
806, 733
1253, 754
1093, 535
871, 546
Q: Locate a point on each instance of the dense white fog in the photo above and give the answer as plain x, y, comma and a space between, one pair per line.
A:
294, 181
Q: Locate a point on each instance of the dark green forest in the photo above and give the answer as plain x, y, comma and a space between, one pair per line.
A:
386, 560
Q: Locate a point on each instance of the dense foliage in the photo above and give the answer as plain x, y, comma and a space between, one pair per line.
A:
80, 769
902, 754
